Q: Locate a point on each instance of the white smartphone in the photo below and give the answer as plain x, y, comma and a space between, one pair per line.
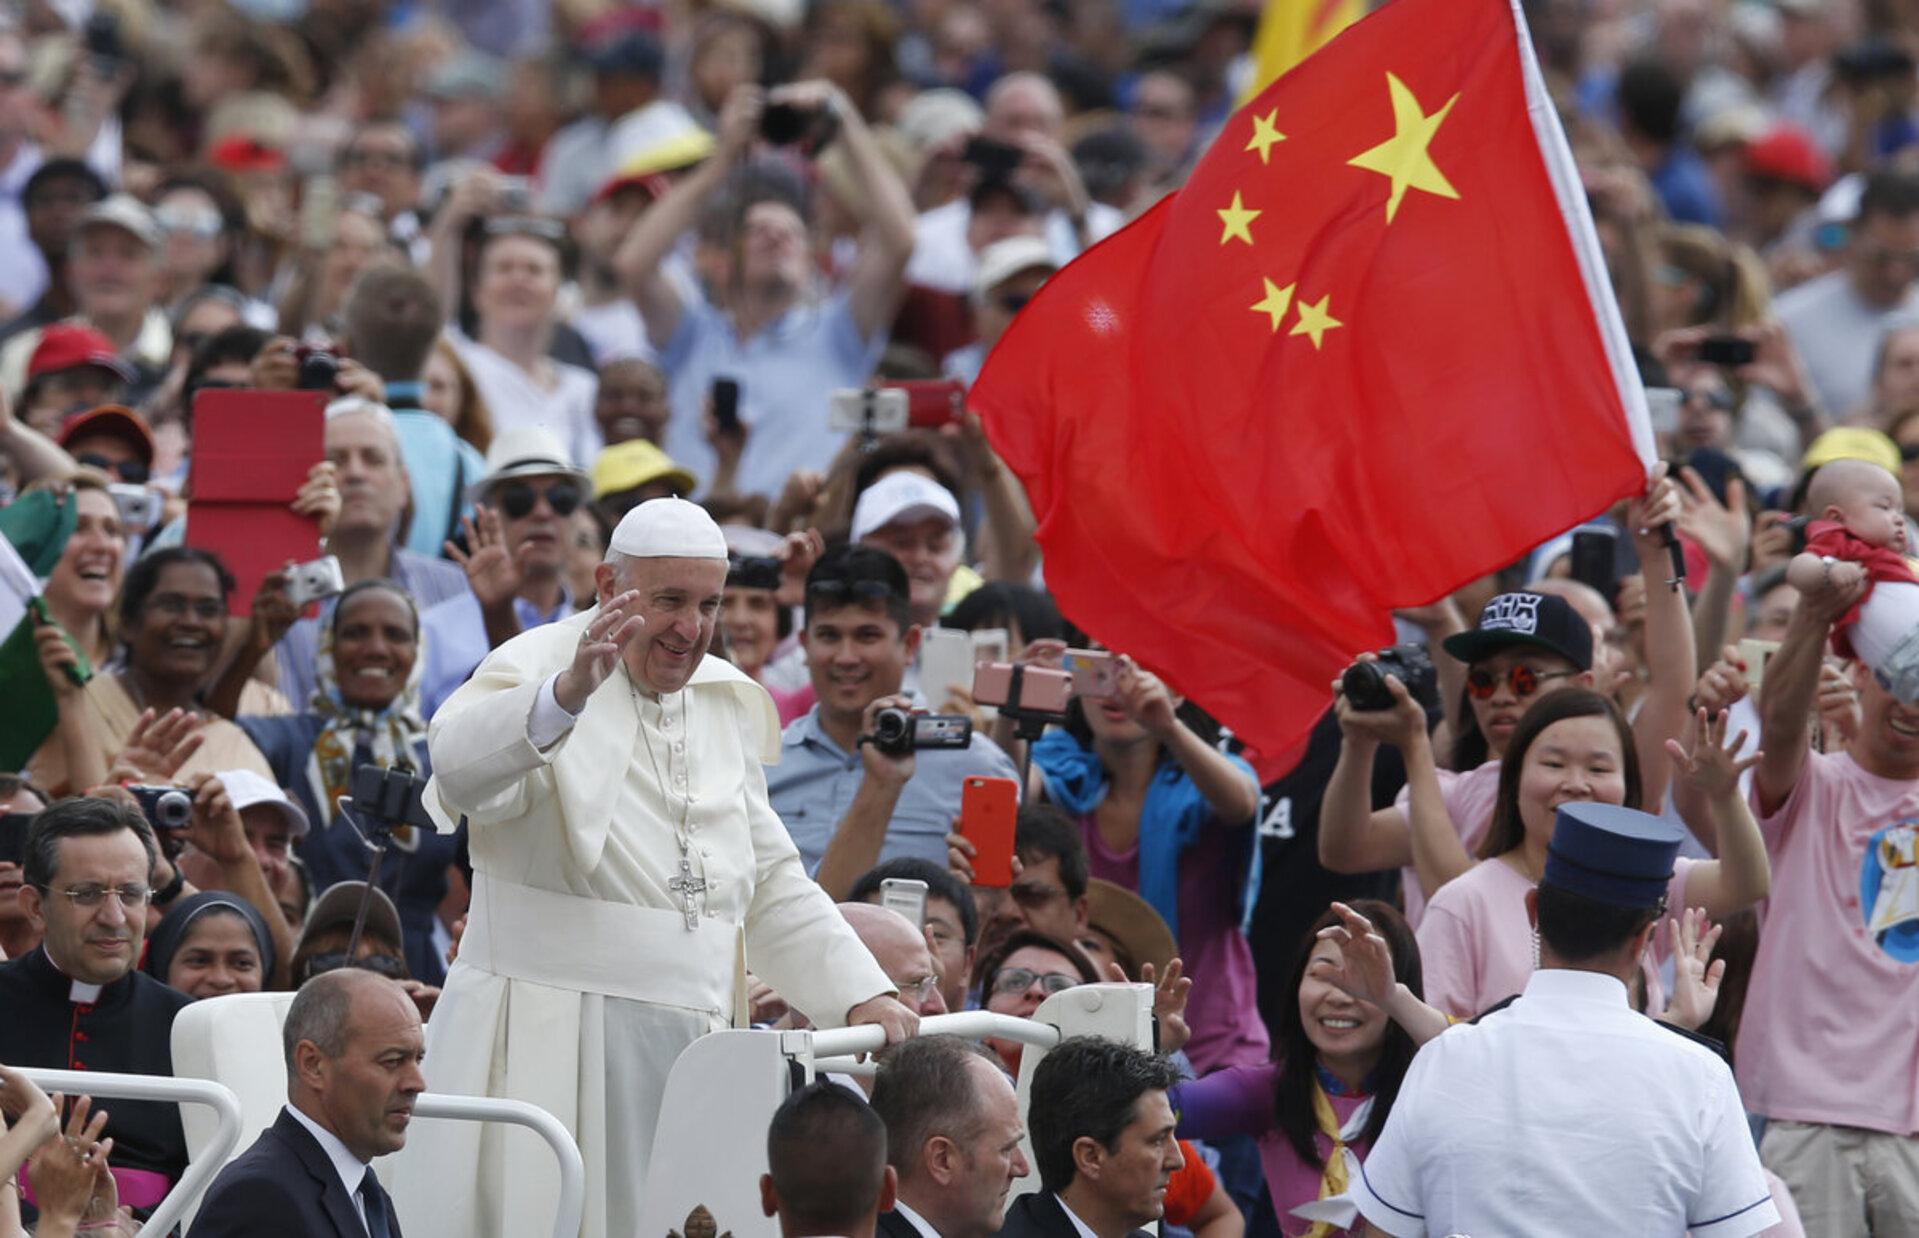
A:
1662, 408
989, 645
946, 662
882, 410
906, 895
1755, 654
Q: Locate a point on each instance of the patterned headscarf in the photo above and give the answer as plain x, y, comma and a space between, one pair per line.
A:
389, 734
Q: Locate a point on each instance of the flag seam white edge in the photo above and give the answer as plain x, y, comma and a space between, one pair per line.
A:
1567, 187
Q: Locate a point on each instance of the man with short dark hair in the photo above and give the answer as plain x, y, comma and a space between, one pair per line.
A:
54, 197
827, 1175
847, 803
1102, 1139
79, 1001
952, 923
1565, 1111
952, 1135
353, 1050
18, 934
1836, 320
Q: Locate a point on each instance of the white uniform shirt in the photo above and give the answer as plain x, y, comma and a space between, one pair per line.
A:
1566, 1113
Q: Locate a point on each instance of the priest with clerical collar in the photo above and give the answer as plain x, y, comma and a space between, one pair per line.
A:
77, 1002
627, 870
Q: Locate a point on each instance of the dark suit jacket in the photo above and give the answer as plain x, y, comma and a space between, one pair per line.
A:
893, 1225
1039, 1215
283, 1186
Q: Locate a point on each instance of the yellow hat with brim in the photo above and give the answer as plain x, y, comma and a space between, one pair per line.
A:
1852, 443
636, 463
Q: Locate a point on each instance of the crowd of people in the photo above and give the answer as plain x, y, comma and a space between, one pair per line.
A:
643, 334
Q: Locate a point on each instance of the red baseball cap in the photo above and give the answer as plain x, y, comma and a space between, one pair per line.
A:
70, 345
1787, 153
114, 420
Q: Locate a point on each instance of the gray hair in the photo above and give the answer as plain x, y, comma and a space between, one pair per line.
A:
320, 1013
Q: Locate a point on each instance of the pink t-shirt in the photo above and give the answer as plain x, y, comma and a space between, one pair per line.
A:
1831, 1027
1476, 942
1469, 802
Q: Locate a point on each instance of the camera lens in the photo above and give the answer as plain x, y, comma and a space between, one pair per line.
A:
172, 810
891, 726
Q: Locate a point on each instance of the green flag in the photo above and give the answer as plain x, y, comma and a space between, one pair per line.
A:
33, 535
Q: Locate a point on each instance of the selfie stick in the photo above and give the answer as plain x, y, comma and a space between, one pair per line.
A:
1030, 724
387, 813
1676, 554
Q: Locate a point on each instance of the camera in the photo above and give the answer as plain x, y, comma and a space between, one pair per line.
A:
754, 572
516, 193
897, 732
1365, 682
140, 508
167, 808
318, 368
809, 129
311, 581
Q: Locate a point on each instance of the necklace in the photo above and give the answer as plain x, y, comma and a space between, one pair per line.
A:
690, 888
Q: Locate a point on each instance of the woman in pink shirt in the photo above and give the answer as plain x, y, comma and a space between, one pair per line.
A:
1476, 940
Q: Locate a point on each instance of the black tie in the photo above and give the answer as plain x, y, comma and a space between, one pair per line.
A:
374, 1200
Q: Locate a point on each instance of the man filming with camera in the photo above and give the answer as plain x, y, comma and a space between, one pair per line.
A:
861, 779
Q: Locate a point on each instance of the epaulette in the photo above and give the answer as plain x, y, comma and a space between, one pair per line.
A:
1493, 1009
1719, 1050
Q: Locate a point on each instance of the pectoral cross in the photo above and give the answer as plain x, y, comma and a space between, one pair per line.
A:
689, 887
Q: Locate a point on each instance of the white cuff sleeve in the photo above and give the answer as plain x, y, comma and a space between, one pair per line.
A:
549, 720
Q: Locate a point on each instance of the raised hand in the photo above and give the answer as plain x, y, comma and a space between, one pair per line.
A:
1695, 973
58, 660
1365, 971
599, 650
157, 746
66, 1173
1170, 992
489, 566
1145, 698
1400, 726
1714, 764
1722, 530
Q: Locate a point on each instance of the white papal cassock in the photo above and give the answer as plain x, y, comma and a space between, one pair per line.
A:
578, 981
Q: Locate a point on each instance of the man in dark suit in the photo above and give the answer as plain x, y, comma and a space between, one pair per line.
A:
952, 1134
827, 1175
353, 1049
1103, 1138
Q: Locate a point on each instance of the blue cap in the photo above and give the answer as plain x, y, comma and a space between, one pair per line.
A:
1611, 854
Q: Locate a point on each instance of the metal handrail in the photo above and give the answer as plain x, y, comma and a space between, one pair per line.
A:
199, 1175
871, 1038
535, 1119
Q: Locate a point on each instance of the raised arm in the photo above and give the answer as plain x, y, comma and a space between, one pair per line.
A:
475, 196
1670, 660
1365, 973
1742, 875
860, 835
1724, 532
1229, 791
1792, 679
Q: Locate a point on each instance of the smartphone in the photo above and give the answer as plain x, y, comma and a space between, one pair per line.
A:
906, 895
726, 404
1095, 672
1041, 690
993, 158
931, 403
1726, 350
946, 662
13, 836
1595, 560
881, 411
1662, 408
1755, 654
990, 645
989, 816
319, 212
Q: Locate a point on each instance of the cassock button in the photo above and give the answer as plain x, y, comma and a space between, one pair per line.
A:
79, 1035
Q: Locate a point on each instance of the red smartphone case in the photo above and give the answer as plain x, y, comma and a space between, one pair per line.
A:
989, 815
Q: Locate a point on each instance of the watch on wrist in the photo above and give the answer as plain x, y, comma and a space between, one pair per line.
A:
167, 893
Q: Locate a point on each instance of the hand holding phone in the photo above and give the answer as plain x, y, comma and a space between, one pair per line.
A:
989, 818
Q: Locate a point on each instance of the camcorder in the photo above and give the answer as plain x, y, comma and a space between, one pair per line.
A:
1365, 682
897, 733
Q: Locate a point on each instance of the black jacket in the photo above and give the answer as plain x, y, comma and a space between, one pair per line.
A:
1039, 1215
893, 1225
284, 1186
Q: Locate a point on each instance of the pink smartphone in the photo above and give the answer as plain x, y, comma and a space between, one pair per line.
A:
1095, 672
1043, 690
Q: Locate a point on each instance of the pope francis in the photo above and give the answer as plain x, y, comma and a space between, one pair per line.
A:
626, 870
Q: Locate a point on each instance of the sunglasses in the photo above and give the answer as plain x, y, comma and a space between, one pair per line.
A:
130, 471
1909, 452
1014, 302
517, 499
1718, 398
840, 592
390, 966
1523, 680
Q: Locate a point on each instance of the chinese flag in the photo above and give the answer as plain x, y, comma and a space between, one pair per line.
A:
1366, 354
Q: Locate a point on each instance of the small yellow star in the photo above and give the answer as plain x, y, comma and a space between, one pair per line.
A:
1277, 301
1264, 134
1314, 322
1404, 158
1235, 220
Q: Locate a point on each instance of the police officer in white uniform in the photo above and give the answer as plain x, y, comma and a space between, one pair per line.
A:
1566, 1112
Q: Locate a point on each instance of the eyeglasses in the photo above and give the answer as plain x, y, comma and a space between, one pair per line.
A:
1017, 980
1716, 398
840, 592
1035, 895
517, 500
390, 966
90, 896
1523, 680
917, 990
130, 471
204, 225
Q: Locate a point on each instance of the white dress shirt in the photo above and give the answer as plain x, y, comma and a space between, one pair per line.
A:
352, 1169
1085, 1230
913, 1218
1566, 1113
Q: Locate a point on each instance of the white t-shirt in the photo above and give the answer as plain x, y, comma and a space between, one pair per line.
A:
942, 259
515, 399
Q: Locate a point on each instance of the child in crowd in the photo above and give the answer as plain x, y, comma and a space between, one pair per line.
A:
1859, 533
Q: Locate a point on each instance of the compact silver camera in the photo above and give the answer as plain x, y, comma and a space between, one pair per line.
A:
139, 508
320, 578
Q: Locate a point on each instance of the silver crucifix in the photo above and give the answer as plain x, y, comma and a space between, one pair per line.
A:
689, 887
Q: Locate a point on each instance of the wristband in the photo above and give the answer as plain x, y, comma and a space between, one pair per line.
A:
167, 893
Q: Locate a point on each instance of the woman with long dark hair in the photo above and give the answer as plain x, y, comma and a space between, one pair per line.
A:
1342, 1049
1572, 746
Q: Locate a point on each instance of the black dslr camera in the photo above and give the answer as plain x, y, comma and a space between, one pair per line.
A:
897, 732
1365, 682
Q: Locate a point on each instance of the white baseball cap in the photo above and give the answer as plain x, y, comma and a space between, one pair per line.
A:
248, 790
1002, 260
902, 496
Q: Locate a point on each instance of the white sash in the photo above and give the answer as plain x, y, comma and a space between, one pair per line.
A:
590, 945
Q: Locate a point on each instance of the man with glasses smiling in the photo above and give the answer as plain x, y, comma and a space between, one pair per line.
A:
515, 557
79, 1002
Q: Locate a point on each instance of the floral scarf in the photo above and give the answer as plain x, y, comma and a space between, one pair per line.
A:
389, 734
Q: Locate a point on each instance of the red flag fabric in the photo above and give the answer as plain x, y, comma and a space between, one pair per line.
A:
1366, 354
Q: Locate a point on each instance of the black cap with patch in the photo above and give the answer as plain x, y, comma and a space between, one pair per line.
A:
1539, 620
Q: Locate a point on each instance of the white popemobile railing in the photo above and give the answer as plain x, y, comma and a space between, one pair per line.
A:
710, 1147
102, 1086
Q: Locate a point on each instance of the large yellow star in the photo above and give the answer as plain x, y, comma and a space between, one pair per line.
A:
1276, 302
1403, 158
1235, 220
1314, 322
1264, 134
